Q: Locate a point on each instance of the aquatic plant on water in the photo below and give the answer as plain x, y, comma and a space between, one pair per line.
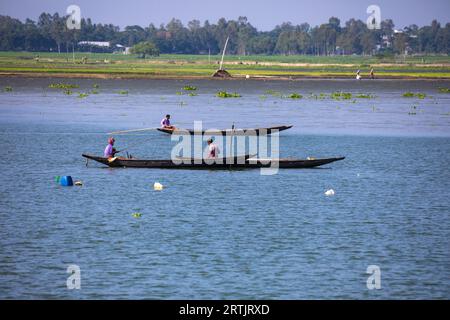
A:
295, 96
224, 94
412, 95
192, 94
82, 95
67, 91
123, 92
338, 95
444, 90
8, 89
96, 86
63, 86
189, 88
364, 96
94, 92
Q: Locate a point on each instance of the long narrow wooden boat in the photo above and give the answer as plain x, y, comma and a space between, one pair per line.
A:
235, 132
251, 163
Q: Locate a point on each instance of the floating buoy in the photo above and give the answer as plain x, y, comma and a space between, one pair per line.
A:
158, 186
66, 181
137, 215
329, 192
78, 183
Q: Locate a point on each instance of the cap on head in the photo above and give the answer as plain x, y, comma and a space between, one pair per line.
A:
111, 140
210, 140
167, 115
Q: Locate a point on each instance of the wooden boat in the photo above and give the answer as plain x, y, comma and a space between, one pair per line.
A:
222, 163
234, 132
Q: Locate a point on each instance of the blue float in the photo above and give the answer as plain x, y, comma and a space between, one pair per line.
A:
66, 181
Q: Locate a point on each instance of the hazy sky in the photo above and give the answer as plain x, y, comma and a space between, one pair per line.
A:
264, 14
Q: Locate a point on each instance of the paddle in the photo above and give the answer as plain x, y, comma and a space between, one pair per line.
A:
132, 130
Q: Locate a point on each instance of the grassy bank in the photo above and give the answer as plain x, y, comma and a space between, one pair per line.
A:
172, 66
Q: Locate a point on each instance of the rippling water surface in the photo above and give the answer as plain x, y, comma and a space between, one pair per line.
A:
226, 234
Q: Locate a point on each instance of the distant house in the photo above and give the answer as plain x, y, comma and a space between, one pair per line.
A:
103, 44
95, 46
122, 49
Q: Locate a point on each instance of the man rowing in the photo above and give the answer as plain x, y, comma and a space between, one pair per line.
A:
213, 149
110, 151
165, 123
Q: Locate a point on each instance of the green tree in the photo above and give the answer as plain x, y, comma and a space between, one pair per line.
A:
145, 48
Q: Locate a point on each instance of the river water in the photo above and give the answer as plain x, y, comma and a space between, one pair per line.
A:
226, 234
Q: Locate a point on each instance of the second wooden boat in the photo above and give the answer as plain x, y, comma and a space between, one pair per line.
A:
234, 132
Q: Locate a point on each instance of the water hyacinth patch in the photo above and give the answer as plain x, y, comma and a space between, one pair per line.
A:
189, 88
125, 92
412, 95
63, 86
8, 89
341, 95
224, 94
364, 96
82, 95
295, 96
444, 90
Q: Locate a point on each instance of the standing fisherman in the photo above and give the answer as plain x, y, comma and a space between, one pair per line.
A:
213, 149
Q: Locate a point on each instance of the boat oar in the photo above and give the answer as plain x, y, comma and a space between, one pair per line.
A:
132, 130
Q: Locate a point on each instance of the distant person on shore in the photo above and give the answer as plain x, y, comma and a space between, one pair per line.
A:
358, 75
165, 123
372, 74
110, 151
213, 149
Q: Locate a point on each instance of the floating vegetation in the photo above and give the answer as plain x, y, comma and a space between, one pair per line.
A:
192, 94
67, 91
82, 95
8, 89
421, 95
94, 92
263, 97
295, 96
341, 95
179, 93
412, 95
96, 86
224, 94
444, 90
364, 96
63, 86
123, 92
413, 111
189, 88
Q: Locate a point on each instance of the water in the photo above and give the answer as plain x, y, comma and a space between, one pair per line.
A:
226, 234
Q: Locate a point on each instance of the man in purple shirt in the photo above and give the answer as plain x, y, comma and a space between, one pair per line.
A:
110, 151
165, 123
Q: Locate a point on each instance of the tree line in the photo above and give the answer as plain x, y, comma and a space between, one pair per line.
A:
50, 33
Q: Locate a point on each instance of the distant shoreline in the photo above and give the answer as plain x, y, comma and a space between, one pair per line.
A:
112, 76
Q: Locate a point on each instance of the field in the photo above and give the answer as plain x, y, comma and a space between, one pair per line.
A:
104, 65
